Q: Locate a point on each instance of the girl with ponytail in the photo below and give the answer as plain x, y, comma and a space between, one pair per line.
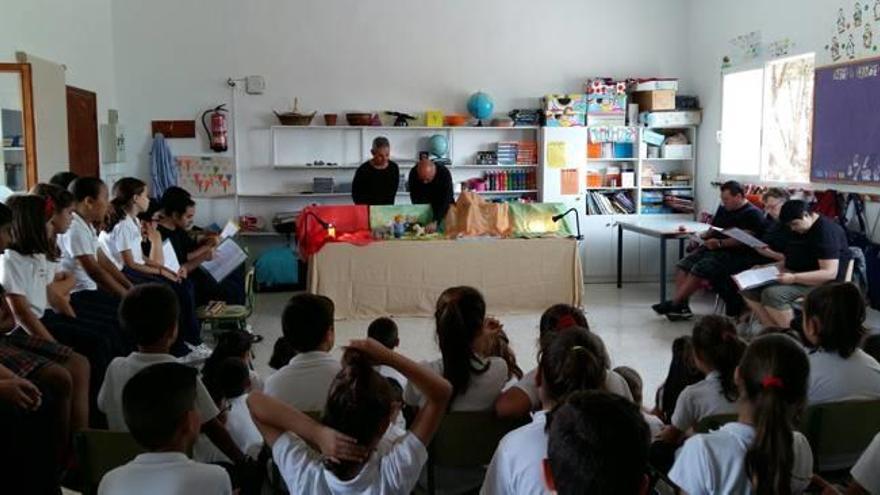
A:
573, 361
761, 452
717, 351
356, 457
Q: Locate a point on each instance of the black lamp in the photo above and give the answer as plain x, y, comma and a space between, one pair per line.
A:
577, 221
331, 230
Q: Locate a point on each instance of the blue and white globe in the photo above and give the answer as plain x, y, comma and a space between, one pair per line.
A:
438, 145
480, 105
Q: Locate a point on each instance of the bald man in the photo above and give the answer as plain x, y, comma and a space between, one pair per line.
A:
430, 183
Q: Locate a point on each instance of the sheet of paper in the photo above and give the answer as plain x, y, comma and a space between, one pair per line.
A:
229, 230
756, 277
227, 257
744, 237
556, 154
170, 257
569, 181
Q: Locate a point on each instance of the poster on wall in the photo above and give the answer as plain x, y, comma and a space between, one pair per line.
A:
206, 176
851, 31
846, 137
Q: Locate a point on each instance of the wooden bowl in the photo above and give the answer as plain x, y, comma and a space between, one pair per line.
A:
455, 120
356, 118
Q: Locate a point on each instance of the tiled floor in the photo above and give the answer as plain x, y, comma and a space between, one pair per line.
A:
633, 334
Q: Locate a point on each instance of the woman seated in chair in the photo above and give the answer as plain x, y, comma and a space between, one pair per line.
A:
816, 253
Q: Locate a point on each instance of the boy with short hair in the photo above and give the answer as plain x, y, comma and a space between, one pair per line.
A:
149, 314
159, 405
307, 325
384, 330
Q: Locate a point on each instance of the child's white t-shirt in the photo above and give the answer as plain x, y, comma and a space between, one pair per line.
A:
834, 379
80, 240
518, 464
168, 473
121, 369
867, 471
28, 276
105, 243
304, 382
715, 463
241, 427
392, 469
482, 390
614, 383
701, 400
126, 236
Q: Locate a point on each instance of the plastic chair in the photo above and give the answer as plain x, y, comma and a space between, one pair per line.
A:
99, 451
710, 423
233, 316
840, 430
467, 439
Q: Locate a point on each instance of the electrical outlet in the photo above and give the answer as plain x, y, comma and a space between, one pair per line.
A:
254, 85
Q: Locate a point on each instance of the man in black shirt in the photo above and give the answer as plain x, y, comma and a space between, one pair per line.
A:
720, 256
431, 184
376, 180
817, 252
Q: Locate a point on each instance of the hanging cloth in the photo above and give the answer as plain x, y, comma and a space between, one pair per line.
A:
163, 170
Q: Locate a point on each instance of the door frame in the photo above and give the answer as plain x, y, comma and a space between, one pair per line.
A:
27, 102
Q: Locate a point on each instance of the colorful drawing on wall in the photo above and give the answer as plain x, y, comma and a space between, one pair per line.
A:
744, 48
206, 176
852, 35
779, 48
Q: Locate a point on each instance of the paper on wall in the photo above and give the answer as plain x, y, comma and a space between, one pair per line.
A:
556, 154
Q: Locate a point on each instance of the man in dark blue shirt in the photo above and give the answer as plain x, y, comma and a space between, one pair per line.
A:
719, 256
376, 181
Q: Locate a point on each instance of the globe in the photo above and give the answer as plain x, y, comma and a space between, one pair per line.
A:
480, 105
438, 145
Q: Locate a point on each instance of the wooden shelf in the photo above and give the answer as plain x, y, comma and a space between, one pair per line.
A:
394, 128
498, 167
12, 148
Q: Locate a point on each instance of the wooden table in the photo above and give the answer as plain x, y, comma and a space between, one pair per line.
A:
664, 230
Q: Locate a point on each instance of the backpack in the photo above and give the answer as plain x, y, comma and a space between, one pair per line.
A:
276, 270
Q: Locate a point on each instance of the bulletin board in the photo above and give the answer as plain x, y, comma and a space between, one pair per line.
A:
206, 176
846, 137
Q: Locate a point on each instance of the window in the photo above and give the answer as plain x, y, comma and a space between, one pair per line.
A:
766, 122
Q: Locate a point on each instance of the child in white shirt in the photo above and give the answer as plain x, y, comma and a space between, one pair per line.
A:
307, 325
634, 381
753, 452
571, 361
357, 413
159, 406
149, 313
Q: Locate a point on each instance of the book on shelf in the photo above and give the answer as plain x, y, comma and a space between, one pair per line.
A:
609, 203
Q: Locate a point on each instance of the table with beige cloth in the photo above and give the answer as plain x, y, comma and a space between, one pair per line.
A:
404, 278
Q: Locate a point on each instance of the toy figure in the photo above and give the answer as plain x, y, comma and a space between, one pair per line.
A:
857, 15
868, 37
418, 230
398, 227
841, 21
835, 48
851, 48
431, 228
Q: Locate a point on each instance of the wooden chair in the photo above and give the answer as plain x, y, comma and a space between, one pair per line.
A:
840, 431
233, 316
710, 423
467, 439
99, 451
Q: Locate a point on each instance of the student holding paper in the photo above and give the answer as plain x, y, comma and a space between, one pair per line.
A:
817, 252
719, 257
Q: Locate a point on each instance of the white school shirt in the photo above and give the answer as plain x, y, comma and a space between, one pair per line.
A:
392, 469
241, 427
715, 463
304, 383
518, 464
168, 473
866, 471
701, 400
389, 372
126, 236
80, 240
105, 243
28, 276
834, 379
482, 390
614, 383
121, 369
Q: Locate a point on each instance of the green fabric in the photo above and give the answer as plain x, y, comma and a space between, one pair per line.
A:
534, 220
382, 216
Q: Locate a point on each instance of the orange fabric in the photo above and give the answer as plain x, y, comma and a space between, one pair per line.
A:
473, 216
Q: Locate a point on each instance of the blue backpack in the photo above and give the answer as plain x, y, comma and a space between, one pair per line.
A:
277, 269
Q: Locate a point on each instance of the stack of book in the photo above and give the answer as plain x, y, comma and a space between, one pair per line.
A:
679, 200
507, 151
527, 153
619, 203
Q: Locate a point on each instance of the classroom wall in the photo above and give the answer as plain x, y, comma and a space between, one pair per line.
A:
809, 24
349, 55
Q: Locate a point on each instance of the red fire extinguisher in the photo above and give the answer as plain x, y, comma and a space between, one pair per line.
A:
217, 131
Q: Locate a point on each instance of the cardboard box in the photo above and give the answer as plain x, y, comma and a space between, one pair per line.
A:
671, 119
554, 119
678, 151
653, 138
657, 85
655, 100
609, 120
565, 103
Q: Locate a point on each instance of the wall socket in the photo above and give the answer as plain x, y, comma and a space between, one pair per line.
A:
254, 85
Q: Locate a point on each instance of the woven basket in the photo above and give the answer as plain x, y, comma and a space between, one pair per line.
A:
294, 117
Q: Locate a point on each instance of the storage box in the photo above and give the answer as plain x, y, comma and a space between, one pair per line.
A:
671, 119
565, 103
553, 119
657, 85
653, 138
623, 150
655, 100
322, 185
678, 151
627, 179
608, 120
594, 179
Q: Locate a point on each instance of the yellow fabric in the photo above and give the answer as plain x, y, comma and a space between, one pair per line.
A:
404, 278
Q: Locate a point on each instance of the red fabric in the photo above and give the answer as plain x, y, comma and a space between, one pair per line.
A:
351, 224
827, 203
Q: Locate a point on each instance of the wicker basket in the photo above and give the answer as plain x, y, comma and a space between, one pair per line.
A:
294, 117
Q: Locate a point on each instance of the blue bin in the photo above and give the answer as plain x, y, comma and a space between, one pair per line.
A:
623, 150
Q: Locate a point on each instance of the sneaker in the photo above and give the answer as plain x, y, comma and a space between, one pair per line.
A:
680, 313
197, 354
663, 308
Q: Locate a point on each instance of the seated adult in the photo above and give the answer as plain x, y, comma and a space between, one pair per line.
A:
431, 183
719, 257
816, 253
376, 181
776, 234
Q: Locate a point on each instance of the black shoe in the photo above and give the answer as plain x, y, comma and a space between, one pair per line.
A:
663, 308
680, 312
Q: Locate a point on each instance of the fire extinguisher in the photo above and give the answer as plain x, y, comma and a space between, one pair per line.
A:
217, 131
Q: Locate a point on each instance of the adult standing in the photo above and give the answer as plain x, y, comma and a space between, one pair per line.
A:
376, 180
431, 183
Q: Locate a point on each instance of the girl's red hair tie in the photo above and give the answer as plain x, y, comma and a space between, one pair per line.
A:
771, 381
566, 321
50, 208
